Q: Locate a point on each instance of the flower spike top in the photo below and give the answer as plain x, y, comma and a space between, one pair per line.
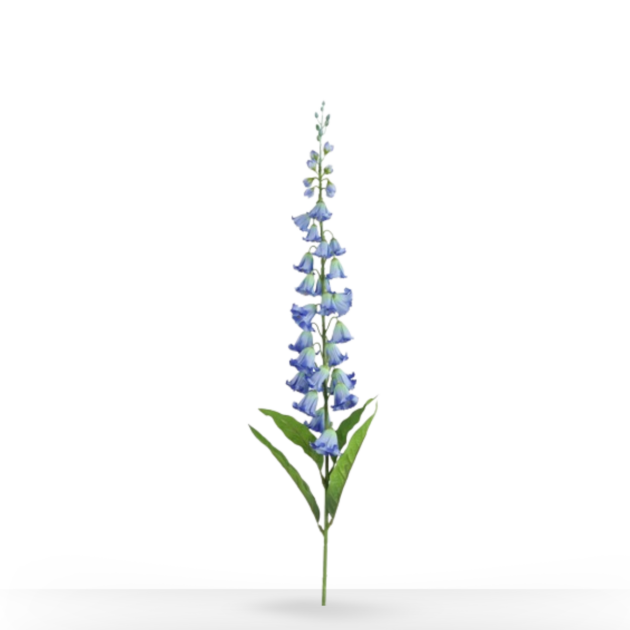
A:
315, 378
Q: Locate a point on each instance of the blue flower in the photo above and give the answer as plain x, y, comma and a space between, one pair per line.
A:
326, 443
312, 165
343, 398
319, 377
308, 181
308, 404
328, 148
305, 361
314, 155
334, 355
299, 383
313, 235
342, 301
336, 270
327, 305
306, 286
302, 222
323, 250
309, 192
341, 334
339, 376
330, 189
336, 249
303, 341
328, 169
320, 212
306, 265
303, 315
318, 286
318, 422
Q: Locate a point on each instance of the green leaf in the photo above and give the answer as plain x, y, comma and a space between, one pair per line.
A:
342, 468
295, 475
349, 423
297, 432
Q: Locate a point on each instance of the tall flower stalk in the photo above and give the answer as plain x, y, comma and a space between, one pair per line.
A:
324, 376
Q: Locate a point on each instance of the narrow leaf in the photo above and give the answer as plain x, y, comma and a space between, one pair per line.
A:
295, 475
297, 432
342, 468
349, 423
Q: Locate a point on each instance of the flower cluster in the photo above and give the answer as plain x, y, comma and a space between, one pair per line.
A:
326, 377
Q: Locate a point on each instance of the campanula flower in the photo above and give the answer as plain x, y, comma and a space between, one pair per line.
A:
313, 235
333, 354
318, 286
302, 222
339, 376
306, 286
318, 423
303, 341
336, 249
341, 334
299, 383
305, 361
328, 169
323, 250
311, 164
308, 181
336, 270
306, 265
309, 192
318, 378
327, 305
314, 156
326, 443
342, 301
343, 398
330, 189
308, 404
303, 315
320, 212
328, 148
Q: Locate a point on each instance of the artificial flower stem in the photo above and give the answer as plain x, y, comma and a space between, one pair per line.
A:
325, 539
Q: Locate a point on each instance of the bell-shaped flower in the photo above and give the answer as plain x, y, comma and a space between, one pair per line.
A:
320, 212
318, 423
328, 148
306, 265
326, 443
312, 164
302, 221
343, 398
307, 285
319, 377
323, 250
308, 404
305, 361
342, 301
328, 169
313, 235
336, 270
336, 249
303, 341
299, 383
303, 315
341, 334
314, 155
309, 192
334, 356
308, 181
331, 189
339, 376
327, 304
318, 286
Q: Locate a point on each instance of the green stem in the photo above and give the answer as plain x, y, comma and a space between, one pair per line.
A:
325, 540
